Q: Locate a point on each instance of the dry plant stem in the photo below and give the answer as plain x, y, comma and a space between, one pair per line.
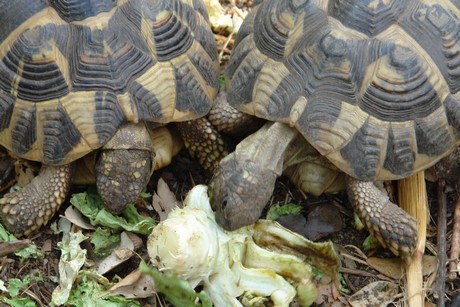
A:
229, 39
413, 199
441, 240
455, 245
13, 246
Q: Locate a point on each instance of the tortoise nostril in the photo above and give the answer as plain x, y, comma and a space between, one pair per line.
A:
224, 203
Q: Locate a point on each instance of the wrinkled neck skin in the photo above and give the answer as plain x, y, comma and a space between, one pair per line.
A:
245, 179
268, 146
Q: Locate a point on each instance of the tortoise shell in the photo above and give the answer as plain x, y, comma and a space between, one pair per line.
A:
373, 85
72, 71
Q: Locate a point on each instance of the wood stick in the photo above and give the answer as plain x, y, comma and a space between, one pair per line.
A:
455, 245
412, 198
441, 240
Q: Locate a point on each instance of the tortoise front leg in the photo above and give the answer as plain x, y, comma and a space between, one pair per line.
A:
393, 227
27, 210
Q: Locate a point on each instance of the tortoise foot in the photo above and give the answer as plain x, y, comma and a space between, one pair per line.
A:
27, 210
389, 224
121, 175
204, 142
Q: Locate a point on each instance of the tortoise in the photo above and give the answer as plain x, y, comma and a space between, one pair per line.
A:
372, 86
83, 76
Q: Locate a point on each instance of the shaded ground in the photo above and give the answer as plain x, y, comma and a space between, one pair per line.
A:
183, 174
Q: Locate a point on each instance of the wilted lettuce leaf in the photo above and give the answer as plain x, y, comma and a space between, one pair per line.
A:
91, 205
15, 285
90, 291
72, 259
371, 243
321, 255
277, 211
31, 251
19, 302
103, 241
177, 291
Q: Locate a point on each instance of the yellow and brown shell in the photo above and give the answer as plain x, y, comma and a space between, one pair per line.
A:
373, 85
72, 71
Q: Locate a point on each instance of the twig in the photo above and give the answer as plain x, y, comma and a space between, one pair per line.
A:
13, 246
455, 245
413, 198
441, 239
365, 274
227, 41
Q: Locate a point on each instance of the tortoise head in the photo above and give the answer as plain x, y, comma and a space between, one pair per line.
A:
239, 191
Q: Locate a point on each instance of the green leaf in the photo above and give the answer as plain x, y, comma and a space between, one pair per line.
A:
277, 211
31, 251
91, 206
222, 81
103, 241
370, 243
357, 222
5, 235
145, 195
177, 291
90, 291
19, 302
15, 285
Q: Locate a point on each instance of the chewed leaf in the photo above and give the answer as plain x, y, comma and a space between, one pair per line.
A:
276, 211
177, 291
92, 291
72, 259
91, 205
272, 236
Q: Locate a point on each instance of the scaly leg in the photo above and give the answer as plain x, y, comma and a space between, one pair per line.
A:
27, 210
393, 227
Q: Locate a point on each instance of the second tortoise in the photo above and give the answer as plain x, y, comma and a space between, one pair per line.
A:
372, 86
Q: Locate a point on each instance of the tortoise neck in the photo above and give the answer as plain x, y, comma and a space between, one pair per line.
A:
268, 145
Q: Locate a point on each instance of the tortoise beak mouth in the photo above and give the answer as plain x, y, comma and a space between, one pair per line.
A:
223, 222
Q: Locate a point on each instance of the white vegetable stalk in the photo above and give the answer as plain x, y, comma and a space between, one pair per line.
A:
227, 264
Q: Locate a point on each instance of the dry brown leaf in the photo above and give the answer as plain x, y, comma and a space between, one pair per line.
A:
389, 267
13, 246
379, 293
124, 253
134, 285
24, 172
137, 241
392, 267
75, 217
47, 246
118, 256
163, 201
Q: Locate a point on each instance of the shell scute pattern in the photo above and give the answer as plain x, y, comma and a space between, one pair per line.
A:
14, 13
369, 17
6, 110
72, 72
373, 85
76, 10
